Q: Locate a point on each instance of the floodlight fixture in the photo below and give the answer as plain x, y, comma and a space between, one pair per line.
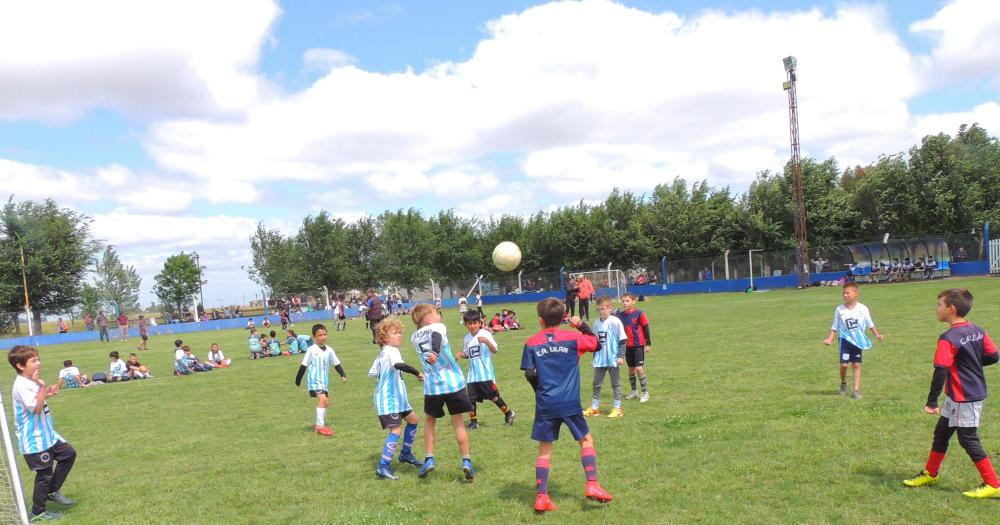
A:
790, 63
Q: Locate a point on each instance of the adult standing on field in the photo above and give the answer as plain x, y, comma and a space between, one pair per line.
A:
572, 289
375, 312
123, 326
102, 325
585, 294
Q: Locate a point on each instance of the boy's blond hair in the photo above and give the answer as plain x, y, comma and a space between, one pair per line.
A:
603, 301
387, 327
420, 313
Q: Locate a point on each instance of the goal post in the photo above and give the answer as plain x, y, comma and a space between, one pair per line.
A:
12, 508
995, 256
607, 281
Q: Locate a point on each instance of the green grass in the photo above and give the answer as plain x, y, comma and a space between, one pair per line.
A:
744, 426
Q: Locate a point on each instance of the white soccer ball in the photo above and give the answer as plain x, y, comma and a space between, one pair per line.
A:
506, 256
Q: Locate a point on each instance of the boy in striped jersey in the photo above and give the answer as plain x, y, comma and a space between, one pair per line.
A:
611, 334
37, 437
478, 349
391, 402
444, 384
638, 344
850, 320
317, 362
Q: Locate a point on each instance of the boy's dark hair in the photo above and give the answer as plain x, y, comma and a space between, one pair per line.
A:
114, 355
850, 285
317, 327
19, 355
68, 362
141, 316
133, 354
178, 343
273, 333
472, 316
630, 295
960, 298
292, 333
551, 311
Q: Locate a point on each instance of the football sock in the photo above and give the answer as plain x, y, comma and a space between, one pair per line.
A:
642, 383
502, 405
618, 404
589, 458
409, 434
596, 403
934, 463
389, 449
986, 471
542, 466
320, 417
473, 417
631, 381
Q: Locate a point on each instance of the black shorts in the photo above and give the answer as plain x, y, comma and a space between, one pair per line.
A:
61, 451
315, 393
482, 391
457, 402
635, 356
849, 353
393, 420
342, 317
144, 337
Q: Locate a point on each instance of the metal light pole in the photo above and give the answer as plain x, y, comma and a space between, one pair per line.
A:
24, 278
801, 244
201, 292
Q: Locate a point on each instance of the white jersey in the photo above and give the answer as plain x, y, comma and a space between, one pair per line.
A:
215, 357
319, 360
610, 333
851, 323
463, 305
35, 432
390, 391
118, 368
480, 356
444, 376
69, 375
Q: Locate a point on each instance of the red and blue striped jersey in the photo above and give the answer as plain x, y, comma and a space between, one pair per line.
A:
636, 327
963, 350
555, 355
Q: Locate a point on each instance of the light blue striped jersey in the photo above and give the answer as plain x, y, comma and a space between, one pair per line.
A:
611, 334
118, 368
304, 342
480, 357
35, 432
444, 376
390, 391
319, 360
254, 342
293, 344
851, 323
69, 375
180, 360
274, 347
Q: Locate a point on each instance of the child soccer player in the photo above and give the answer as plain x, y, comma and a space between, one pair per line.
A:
478, 349
611, 334
962, 352
638, 344
256, 352
70, 376
181, 367
317, 361
36, 435
850, 321
341, 315
143, 333
118, 370
273, 346
216, 357
551, 364
136, 370
292, 341
391, 403
444, 384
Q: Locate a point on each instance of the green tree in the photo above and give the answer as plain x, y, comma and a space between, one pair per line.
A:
178, 282
118, 284
90, 300
323, 243
278, 264
405, 247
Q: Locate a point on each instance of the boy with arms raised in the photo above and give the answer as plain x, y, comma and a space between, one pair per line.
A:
850, 321
392, 404
478, 347
962, 352
638, 344
551, 364
444, 385
317, 362
611, 335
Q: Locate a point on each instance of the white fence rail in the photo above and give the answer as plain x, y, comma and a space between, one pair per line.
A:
995, 256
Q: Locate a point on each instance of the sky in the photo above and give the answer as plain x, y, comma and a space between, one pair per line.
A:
178, 126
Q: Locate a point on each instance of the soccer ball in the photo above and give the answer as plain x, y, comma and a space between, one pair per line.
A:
143, 369
506, 256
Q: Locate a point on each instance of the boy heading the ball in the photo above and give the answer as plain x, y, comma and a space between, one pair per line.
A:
317, 362
551, 365
850, 320
962, 352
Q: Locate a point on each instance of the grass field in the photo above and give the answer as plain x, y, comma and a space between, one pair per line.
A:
744, 426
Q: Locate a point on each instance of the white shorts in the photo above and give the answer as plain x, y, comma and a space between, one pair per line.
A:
962, 415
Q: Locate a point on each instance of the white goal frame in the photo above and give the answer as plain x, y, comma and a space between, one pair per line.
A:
608, 278
11, 471
994, 256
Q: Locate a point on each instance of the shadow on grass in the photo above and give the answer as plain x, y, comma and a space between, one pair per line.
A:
821, 392
892, 479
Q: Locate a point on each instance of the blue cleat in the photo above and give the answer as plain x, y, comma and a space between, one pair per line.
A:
470, 473
409, 458
426, 468
385, 472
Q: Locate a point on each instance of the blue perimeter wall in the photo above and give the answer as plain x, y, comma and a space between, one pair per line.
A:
731, 285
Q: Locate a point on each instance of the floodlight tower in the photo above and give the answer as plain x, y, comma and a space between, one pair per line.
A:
801, 244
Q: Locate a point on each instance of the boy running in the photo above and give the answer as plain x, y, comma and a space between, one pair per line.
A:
611, 334
551, 364
317, 362
638, 344
391, 402
478, 348
444, 385
850, 321
143, 333
962, 352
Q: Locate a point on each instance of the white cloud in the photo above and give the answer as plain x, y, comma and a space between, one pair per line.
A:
322, 59
159, 59
967, 42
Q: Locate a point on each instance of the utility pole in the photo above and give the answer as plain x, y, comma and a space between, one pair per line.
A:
801, 243
201, 292
24, 278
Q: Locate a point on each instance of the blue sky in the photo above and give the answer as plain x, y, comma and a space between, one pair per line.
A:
268, 112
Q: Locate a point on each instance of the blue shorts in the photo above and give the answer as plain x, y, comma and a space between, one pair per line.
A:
547, 430
849, 353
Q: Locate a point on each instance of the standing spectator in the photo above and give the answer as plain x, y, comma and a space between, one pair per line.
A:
102, 325
585, 294
88, 322
706, 274
375, 312
63, 327
123, 326
961, 255
572, 289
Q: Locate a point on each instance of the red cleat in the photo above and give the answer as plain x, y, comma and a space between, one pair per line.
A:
596, 493
543, 503
324, 431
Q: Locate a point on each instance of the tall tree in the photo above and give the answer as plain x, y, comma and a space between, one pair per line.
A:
178, 281
118, 284
405, 247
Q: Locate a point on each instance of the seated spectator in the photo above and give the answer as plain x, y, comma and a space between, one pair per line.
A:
63, 327
919, 267
251, 326
896, 271
181, 367
304, 343
118, 370
256, 351
266, 323
961, 255
136, 370
512, 321
496, 325
215, 357
907, 268
292, 341
929, 267
273, 345
851, 271
70, 376
194, 363
641, 280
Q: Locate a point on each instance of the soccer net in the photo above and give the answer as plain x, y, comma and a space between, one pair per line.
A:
607, 281
12, 509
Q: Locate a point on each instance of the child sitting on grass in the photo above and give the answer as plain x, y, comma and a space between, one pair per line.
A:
70, 376
136, 370
256, 351
118, 370
216, 357
273, 346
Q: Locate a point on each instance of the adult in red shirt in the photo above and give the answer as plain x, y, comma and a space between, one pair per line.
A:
585, 294
123, 326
